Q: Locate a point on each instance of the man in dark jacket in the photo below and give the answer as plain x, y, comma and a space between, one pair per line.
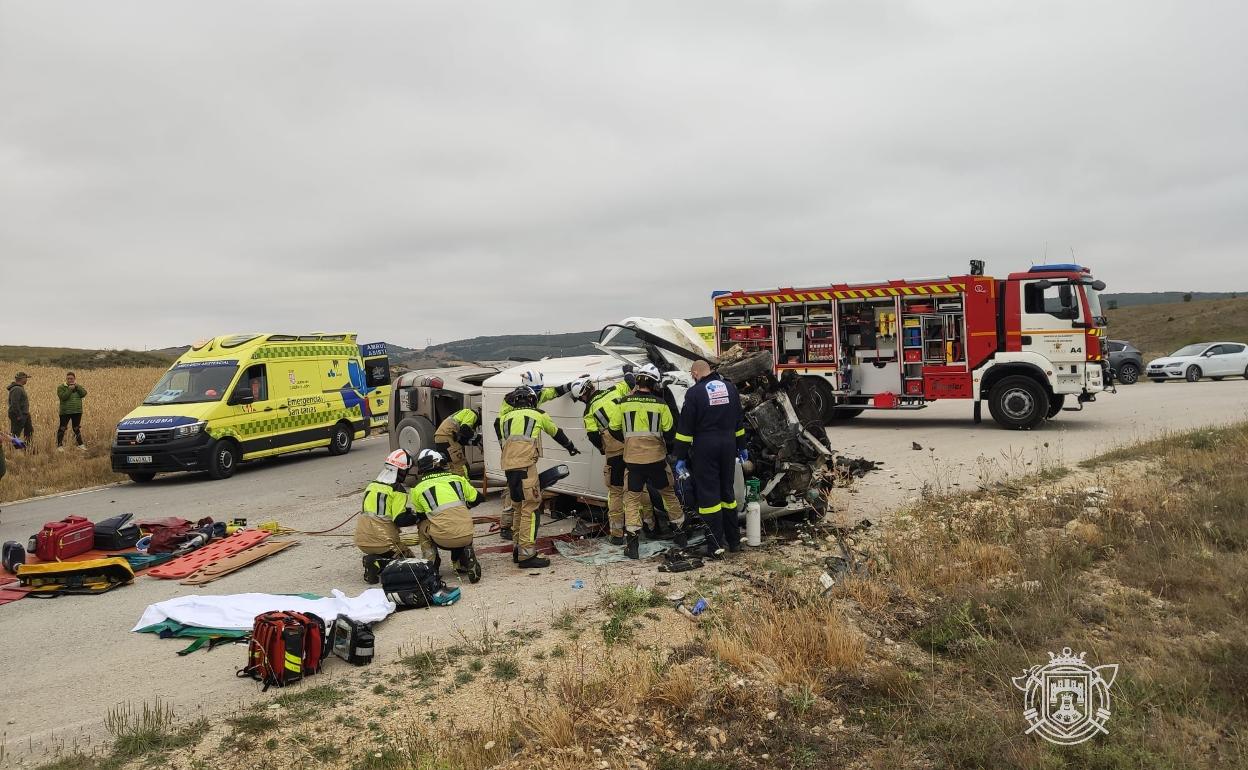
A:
711, 434
20, 423
70, 395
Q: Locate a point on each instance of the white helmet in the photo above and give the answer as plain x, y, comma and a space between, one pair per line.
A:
395, 466
582, 389
532, 380
648, 371
429, 459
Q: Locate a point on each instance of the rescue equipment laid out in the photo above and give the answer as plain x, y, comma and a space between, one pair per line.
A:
284, 648
415, 583
62, 539
352, 641
238, 611
13, 555
116, 533
93, 576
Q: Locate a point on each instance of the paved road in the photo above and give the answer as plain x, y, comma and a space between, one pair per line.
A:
69, 659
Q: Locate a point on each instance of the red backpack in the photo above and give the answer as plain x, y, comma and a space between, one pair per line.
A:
284, 648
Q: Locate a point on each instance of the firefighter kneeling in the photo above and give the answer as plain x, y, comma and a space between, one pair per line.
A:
385, 510
441, 500
520, 434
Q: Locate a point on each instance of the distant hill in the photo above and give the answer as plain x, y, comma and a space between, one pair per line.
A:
517, 346
1160, 329
82, 358
1130, 299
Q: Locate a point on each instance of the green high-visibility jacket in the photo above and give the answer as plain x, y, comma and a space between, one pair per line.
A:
437, 492
385, 501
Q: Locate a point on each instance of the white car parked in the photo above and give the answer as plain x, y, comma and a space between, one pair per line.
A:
1214, 360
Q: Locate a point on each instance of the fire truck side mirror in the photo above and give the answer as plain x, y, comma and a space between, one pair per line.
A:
1098, 285
1044, 284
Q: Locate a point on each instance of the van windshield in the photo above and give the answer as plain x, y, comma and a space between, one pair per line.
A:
193, 383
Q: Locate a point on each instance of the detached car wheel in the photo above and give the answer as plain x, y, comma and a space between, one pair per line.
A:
224, 459
1129, 374
1193, 374
1018, 402
340, 440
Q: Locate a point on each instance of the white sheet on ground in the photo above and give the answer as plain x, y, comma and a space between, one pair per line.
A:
240, 610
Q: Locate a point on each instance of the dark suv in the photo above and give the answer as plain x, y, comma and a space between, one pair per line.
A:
1126, 360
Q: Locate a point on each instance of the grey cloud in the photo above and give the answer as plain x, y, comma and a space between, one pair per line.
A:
412, 170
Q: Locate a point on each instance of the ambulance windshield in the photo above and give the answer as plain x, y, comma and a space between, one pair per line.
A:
193, 382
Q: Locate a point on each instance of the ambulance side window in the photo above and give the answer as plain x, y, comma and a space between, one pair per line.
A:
257, 381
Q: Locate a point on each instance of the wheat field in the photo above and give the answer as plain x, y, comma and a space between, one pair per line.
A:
41, 470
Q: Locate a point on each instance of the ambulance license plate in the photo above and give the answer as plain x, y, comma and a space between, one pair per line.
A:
137, 459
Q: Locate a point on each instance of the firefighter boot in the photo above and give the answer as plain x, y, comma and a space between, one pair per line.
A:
679, 536
473, 567
504, 533
372, 572
534, 562
616, 540
632, 544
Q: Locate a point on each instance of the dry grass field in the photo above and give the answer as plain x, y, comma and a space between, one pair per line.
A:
1159, 330
41, 470
1139, 558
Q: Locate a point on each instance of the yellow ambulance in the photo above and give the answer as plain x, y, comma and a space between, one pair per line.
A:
240, 397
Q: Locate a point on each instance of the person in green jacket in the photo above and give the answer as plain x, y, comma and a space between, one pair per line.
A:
71, 395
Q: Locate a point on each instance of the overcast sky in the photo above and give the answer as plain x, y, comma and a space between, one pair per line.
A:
411, 170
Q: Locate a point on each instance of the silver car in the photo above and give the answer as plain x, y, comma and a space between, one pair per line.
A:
1214, 360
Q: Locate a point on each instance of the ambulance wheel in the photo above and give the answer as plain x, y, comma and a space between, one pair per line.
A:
1055, 404
340, 439
224, 459
141, 478
1018, 402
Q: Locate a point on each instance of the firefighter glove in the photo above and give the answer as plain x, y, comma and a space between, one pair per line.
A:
743, 455
682, 469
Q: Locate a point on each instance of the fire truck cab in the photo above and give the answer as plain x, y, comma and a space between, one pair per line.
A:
1023, 343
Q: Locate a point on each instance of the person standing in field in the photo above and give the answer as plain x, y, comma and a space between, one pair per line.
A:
20, 423
70, 395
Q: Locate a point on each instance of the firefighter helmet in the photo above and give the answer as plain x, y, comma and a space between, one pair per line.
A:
430, 460
521, 397
582, 389
532, 379
648, 372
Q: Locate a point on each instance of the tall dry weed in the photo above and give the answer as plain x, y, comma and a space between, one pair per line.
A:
41, 470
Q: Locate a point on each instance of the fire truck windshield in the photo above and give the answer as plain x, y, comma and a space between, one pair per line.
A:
1094, 304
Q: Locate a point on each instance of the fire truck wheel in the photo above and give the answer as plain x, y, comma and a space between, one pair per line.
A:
1018, 402
1193, 374
1055, 405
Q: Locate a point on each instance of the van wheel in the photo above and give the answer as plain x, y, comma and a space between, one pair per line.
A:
1018, 402
413, 434
340, 439
141, 478
224, 459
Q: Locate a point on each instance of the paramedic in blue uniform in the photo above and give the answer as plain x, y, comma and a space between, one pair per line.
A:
710, 438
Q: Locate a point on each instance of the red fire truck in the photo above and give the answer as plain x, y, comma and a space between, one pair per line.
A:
1023, 343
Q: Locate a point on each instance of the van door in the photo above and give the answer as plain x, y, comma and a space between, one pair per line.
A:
306, 420
246, 418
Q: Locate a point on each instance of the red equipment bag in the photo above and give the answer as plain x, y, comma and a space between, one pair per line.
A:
284, 648
65, 538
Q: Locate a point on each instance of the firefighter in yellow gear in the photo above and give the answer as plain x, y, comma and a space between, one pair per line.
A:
440, 500
453, 434
384, 510
645, 426
534, 381
602, 406
520, 434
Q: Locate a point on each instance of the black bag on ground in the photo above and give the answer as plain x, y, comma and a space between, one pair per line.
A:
352, 641
411, 582
13, 554
116, 533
